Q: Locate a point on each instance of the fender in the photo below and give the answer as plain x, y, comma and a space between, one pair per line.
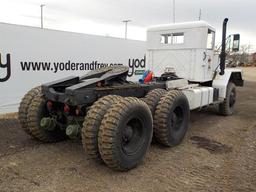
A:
221, 81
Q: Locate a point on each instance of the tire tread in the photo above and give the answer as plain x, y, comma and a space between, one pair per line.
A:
160, 118
108, 131
92, 124
23, 108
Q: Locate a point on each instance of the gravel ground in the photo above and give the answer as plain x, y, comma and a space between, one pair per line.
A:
218, 154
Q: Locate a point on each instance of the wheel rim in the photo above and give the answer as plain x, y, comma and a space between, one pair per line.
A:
132, 136
177, 118
232, 98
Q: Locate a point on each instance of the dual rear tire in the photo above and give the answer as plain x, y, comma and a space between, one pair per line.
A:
118, 131
32, 109
171, 119
122, 133
91, 125
171, 113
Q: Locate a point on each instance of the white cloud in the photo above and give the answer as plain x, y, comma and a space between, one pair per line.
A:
104, 17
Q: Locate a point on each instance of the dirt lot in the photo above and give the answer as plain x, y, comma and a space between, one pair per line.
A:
218, 154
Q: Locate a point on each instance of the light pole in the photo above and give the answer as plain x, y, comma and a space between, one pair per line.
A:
200, 15
126, 26
42, 22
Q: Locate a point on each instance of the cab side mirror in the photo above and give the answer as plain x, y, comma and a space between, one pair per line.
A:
236, 43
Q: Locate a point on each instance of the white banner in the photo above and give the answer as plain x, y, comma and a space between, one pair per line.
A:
32, 56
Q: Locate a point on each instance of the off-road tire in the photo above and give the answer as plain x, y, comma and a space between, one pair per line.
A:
227, 107
128, 116
152, 99
37, 109
92, 124
171, 118
23, 108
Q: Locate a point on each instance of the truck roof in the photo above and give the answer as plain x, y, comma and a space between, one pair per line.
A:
184, 25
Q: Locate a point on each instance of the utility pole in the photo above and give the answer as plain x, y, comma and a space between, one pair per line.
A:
174, 14
126, 26
42, 22
200, 14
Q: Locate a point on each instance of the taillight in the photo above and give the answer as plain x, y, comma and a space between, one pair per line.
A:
66, 108
49, 105
78, 111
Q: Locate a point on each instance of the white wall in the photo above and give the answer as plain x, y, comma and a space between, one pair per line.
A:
28, 44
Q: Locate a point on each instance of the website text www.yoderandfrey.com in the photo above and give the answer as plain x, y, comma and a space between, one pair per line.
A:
54, 67
64, 66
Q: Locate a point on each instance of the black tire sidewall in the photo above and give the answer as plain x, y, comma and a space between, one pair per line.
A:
231, 87
175, 137
224, 108
130, 161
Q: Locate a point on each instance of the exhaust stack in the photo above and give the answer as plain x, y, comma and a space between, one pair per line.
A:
223, 47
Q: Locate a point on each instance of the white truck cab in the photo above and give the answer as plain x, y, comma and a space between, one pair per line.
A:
188, 49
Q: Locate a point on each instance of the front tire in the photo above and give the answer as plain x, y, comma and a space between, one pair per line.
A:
227, 107
125, 134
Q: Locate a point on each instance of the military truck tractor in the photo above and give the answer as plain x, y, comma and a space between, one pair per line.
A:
115, 118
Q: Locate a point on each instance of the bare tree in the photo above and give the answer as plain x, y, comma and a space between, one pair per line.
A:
239, 58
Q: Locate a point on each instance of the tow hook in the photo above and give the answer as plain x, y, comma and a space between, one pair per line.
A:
48, 123
72, 131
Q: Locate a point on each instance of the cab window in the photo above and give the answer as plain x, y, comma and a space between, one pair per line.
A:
172, 38
210, 39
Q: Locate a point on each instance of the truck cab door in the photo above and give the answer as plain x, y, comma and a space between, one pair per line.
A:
209, 55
